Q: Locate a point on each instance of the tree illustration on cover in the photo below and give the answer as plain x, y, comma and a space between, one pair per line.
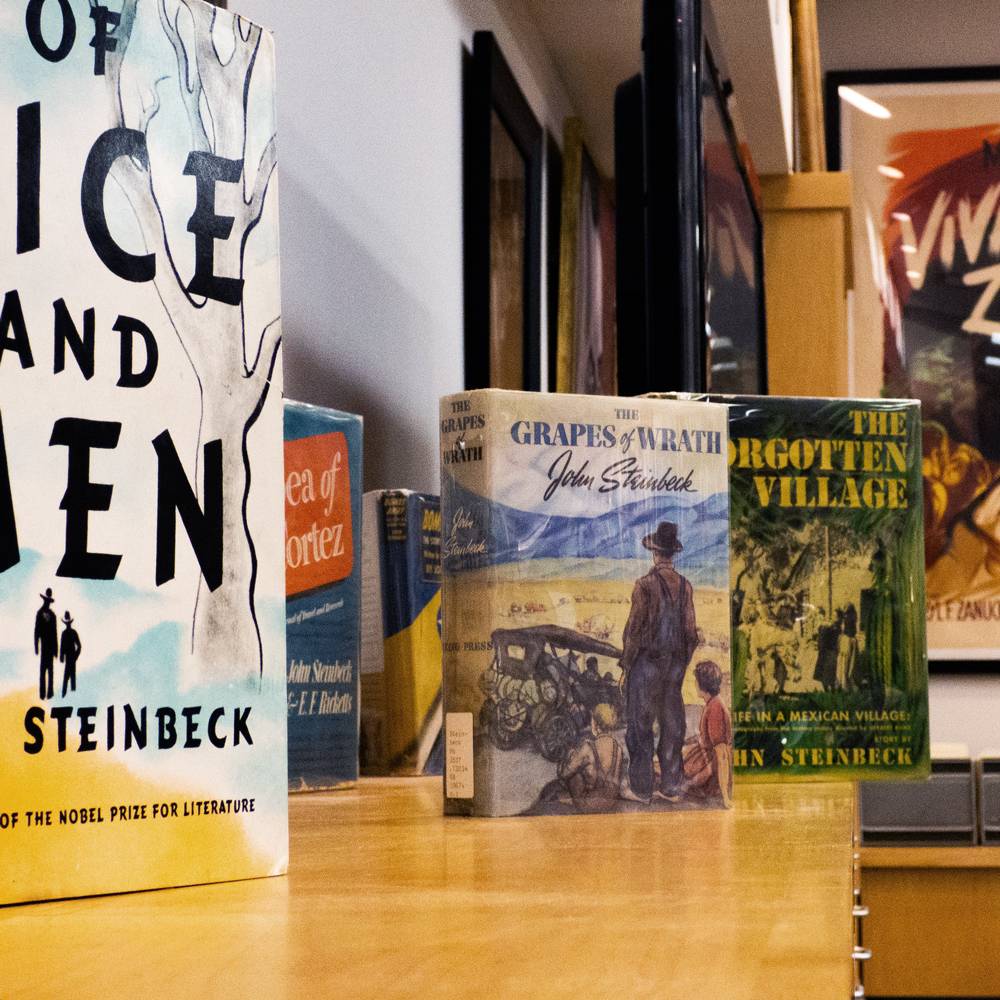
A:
215, 54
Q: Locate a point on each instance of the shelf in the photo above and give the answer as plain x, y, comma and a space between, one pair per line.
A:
385, 897
930, 857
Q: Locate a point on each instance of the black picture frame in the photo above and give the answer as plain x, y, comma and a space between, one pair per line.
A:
491, 88
852, 77
666, 204
671, 78
630, 239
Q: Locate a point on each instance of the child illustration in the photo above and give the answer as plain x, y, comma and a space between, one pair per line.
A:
708, 756
592, 772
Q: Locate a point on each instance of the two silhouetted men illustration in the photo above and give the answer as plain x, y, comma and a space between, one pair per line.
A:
48, 646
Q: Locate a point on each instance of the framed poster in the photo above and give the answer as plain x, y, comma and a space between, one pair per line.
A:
585, 344
733, 275
502, 235
704, 325
672, 158
923, 148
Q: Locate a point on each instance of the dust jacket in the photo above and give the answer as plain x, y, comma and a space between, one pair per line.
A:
401, 630
585, 604
827, 576
142, 682
323, 468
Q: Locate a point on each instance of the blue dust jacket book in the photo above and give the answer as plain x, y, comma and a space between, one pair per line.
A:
323, 594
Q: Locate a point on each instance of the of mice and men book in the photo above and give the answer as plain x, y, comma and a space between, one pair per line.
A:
142, 681
585, 604
827, 565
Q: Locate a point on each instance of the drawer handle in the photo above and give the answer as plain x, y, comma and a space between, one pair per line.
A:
861, 954
859, 911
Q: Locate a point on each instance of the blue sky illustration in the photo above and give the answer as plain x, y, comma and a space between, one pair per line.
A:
521, 536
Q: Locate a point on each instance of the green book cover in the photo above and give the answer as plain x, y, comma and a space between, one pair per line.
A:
829, 650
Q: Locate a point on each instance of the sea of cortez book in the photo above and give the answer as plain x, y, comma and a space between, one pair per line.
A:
142, 610
828, 609
400, 631
323, 463
585, 604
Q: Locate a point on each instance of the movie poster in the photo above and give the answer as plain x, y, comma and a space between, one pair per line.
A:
142, 683
925, 163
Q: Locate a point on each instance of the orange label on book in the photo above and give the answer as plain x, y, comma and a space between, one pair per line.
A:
318, 547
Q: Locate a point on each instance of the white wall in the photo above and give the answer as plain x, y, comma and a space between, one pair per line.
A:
370, 167
888, 34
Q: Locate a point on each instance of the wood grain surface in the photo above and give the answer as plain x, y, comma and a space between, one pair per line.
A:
385, 897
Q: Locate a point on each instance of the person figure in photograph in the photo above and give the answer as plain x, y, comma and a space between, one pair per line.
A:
658, 641
46, 643
69, 652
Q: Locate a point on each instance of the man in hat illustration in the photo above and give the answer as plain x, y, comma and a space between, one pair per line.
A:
658, 641
46, 642
69, 652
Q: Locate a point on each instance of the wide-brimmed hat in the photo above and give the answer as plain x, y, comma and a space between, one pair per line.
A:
66, 618
47, 596
664, 539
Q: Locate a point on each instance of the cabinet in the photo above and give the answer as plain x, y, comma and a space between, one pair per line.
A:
933, 921
385, 897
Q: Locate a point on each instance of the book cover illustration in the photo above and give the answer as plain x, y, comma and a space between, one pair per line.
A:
323, 456
401, 631
585, 604
142, 686
829, 629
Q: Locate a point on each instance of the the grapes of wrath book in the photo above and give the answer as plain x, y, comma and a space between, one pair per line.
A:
585, 604
142, 681
829, 624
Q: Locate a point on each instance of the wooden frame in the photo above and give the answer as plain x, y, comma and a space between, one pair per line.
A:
495, 106
925, 166
581, 183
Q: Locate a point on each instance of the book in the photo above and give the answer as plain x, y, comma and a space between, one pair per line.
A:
323, 462
142, 682
585, 594
827, 577
400, 631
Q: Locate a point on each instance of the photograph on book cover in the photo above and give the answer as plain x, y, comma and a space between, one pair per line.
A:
827, 578
585, 604
923, 149
142, 684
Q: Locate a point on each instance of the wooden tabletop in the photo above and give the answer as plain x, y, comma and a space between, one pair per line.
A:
386, 898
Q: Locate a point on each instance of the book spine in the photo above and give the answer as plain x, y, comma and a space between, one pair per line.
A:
411, 602
465, 556
372, 715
